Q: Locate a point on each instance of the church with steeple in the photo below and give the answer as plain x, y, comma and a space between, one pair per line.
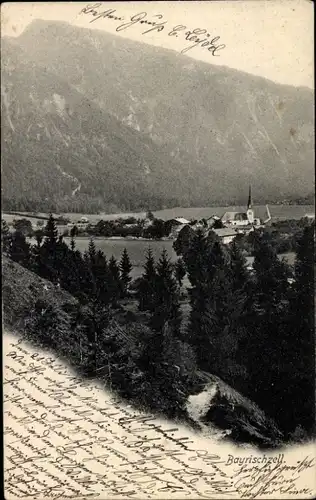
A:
241, 219
250, 212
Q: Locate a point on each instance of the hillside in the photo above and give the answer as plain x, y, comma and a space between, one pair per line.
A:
60, 147
90, 119
212, 406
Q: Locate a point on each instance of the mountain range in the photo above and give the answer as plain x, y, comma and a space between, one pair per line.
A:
93, 121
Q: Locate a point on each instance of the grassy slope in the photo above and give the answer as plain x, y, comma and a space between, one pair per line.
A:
22, 288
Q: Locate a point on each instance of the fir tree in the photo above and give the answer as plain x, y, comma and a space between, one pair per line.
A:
86, 278
167, 307
242, 292
49, 258
147, 284
90, 324
266, 347
102, 279
74, 232
20, 250
125, 268
300, 340
51, 233
304, 278
37, 264
72, 244
210, 296
271, 277
238, 264
115, 286
180, 271
92, 251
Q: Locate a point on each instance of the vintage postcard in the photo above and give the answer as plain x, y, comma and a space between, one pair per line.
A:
157, 248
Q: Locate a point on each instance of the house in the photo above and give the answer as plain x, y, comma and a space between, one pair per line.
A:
176, 225
80, 224
84, 220
226, 234
180, 221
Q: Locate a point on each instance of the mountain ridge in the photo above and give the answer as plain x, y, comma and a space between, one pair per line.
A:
208, 133
34, 22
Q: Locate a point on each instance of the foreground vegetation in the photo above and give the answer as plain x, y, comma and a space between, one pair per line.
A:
253, 330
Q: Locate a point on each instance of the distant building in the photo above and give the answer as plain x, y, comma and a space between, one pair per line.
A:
244, 219
80, 224
176, 225
180, 220
226, 234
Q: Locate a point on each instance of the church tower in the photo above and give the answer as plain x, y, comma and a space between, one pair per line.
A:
250, 212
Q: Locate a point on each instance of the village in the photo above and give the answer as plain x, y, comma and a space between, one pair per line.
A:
226, 227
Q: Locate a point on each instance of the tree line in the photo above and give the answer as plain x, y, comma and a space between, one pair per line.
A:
253, 328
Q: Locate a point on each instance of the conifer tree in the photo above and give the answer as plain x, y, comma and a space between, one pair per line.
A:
90, 325
74, 232
196, 258
300, 340
210, 296
271, 277
86, 278
37, 264
92, 251
147, 285
125, 268
20, 250
180, 271
265, 350
115, 287
102, 279
304, 278
242, 291
51, 233
167, 307
49, 257
238, 264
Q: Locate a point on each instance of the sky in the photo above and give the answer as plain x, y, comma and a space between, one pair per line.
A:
271, 38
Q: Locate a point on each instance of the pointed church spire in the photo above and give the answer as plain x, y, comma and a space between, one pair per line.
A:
249, 205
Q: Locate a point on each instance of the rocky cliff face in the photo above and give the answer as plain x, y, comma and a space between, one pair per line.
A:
130, 122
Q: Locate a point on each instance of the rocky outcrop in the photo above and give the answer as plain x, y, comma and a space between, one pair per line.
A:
240, 419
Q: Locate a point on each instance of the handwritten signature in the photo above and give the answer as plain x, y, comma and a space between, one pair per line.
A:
198, 37
252, 481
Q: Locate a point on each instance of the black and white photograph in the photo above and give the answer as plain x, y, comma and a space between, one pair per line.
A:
157, 242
